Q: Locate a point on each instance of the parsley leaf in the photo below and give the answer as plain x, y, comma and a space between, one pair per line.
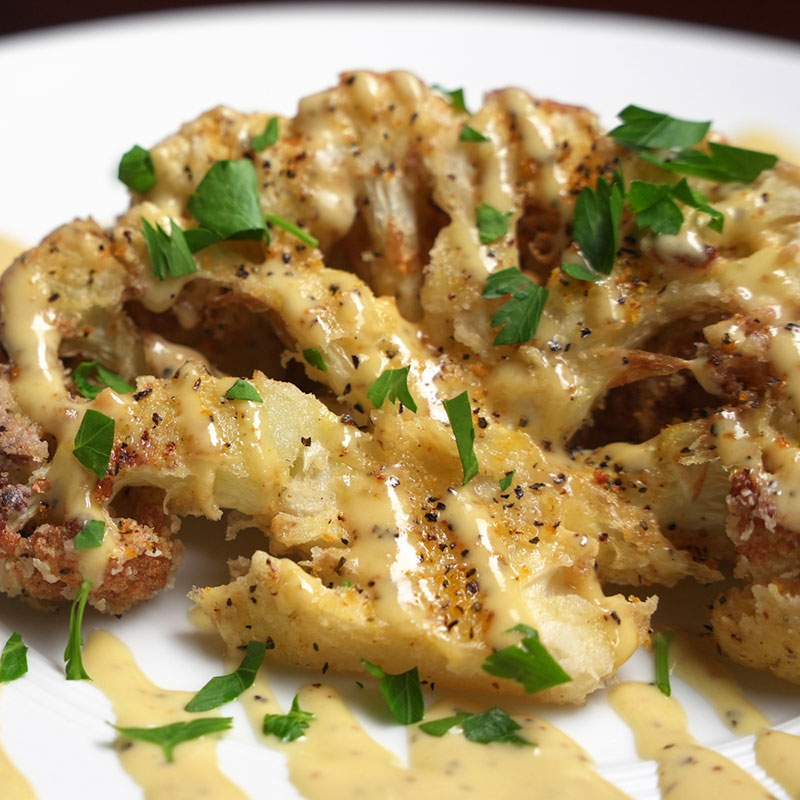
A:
521, 313
14, 659
493, 725
392, 383
315, 359
72, 653
596, 224
402, 692
527, 663
460, 415
683, 192
244, 390
469, 134
224, 688
288, 727
655, 208
91, 535
136, 170
454, 97
661, 643
723, 163
268, 138
227, 202
506, 480
295, 230
199, 238
492, 224
81, 373
643, 128
168, 737
170, 256
93, 442
581, 272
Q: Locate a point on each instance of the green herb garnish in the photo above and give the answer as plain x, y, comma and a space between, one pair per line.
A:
683, 192
290, 227
170, 256
521, 313
469, 134
506, 480
14, 659
136, 170
492, 224
655, 131
527, 663
243, 390
268, 138
493, 725
402, 692
288, 727
392, 383
314, 357
91, 535
72, 653
81, 376
460, 415
224, 688
93, 442
655, 207
454, 97
596, 223
661, 643
581, 272
722, 163
168, 737
226, 202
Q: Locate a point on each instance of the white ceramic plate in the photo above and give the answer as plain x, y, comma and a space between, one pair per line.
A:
75, 98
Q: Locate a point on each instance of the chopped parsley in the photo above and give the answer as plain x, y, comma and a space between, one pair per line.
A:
226, 202
170, 254
519, 316
168, 737
93, 442
598, 213
91, 535
528, 663
493, 725
661, 643
288, 727
402, 692
655, 207
460, 415
492, 223
244, 390
14, 659
72, 653
136, 170
315, 359
581, 272
82, 373
723, 163
268, 138
455, 97
469, 134
683, 192
392, 383
224, 688
506, 480
656, 131
290, 227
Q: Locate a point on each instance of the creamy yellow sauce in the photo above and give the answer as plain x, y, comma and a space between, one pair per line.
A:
778, 754
336, 758
699, 667
686, 770
137, 702
13, 783
9, 250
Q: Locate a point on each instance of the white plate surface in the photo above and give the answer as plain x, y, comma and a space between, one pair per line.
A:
74, 99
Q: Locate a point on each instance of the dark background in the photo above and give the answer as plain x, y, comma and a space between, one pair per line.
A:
774, 17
